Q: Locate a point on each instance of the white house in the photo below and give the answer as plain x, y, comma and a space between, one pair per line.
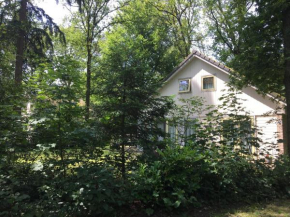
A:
199, 75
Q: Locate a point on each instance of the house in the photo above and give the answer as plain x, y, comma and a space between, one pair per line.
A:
199, 75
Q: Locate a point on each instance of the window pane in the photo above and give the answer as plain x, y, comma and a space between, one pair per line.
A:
171, 131
208, 83
161, 126
190, 130
184, 85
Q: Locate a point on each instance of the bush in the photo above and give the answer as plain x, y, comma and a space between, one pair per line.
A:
185, 177
234, 178
171, 182
281, 176
89, 191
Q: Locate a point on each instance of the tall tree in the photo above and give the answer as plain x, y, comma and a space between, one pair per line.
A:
262, 57
92, 21
285, 6
143, 18
20, 42
28, 10
128, 91
136, 54
226, 24
183, 19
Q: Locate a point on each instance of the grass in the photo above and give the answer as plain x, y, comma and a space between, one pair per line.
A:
278, 208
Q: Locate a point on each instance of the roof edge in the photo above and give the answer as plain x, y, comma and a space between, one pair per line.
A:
201, 56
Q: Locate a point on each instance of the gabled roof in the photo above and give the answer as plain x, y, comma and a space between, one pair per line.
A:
201, 56
222, 67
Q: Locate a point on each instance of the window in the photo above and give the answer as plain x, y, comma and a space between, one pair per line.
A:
172, 131
208, 83
239, 134
189, 127
181, 133
183, 85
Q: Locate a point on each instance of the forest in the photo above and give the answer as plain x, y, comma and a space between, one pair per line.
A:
80, 109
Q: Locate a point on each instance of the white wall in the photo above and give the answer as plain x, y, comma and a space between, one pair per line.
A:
269, 136
195, 69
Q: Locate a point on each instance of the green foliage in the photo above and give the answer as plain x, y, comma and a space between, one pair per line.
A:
234, 178
172, 181
54, 163
56, 111
248, 37
145, 20
226, 24
184, 177
89, 191
69, 181
216, 165
127, 90
281, 175
182, 18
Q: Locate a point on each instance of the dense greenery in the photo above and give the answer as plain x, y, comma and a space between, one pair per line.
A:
252, 37
68, 172
80, 122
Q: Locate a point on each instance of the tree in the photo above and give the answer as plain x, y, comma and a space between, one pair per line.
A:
285, 6
226, 24
20, 42
127, 89
27, 12
92, 22
29, 36
56, 117
142, 17
183, 19
263, 52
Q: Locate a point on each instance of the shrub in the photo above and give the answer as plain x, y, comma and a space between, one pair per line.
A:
234, 178
281, 176
172, 181
89, 191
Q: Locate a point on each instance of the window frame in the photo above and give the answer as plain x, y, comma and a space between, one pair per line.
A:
214, 83
189, 86
252, 149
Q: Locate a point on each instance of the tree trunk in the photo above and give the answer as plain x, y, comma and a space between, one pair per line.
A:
20, 43
89, 74
123, 132
123, 157
286, 39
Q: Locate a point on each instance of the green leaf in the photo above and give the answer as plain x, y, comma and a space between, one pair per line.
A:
149, 211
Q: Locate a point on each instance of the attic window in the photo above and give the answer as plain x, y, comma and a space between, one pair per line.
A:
208, 83
184, 85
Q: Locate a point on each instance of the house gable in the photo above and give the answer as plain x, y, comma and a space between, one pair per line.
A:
197, 66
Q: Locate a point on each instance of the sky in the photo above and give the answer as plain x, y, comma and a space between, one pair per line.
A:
55, 11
